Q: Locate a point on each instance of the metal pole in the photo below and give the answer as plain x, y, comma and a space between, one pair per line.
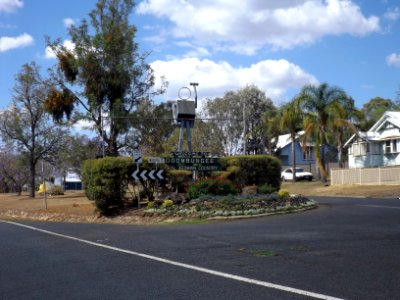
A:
138, 203
244, 126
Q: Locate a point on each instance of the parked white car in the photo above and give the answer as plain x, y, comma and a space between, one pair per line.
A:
287, 174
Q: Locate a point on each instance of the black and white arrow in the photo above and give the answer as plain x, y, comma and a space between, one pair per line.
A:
135, 175
156, 174
152, 175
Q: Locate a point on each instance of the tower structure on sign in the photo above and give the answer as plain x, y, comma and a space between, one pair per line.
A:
184, 114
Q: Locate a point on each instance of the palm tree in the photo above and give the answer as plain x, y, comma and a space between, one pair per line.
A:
345, 114
320, 104
291, 118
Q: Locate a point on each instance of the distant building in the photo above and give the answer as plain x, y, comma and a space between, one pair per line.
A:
283, 150
72, 181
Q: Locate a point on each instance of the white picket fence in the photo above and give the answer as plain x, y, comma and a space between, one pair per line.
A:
372, 176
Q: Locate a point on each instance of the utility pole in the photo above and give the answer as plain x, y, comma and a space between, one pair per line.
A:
244, 126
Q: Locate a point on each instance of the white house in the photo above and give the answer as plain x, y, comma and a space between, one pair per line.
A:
378, 147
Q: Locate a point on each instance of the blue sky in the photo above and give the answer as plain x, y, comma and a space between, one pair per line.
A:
278, 45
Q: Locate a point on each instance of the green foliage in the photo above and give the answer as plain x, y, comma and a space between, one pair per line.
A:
151, 204
167, 203
266, 189
179, 179
106, 181
257, 170
283, 194
106, 70
211, 187
147, 194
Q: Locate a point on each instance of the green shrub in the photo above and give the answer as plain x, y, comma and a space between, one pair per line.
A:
167, 203
151, 204
211, 187
266, 189
106, 181
283, 194
246, 170
147, 194
179, 179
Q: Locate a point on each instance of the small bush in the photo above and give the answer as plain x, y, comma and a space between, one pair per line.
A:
151, 204
283, 194
266, 189
56, 190
245, 170
147, 194
106, 181
211, 187
167, 203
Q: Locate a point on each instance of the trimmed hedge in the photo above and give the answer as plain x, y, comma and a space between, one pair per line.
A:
245, 170
106, 180
216, 187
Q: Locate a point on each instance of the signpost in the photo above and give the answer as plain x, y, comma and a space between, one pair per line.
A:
137, 158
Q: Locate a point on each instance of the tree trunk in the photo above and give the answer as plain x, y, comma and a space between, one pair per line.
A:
322, 165
32, 179
294, 157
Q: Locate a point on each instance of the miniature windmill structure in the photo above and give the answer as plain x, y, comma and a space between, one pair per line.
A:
184, 114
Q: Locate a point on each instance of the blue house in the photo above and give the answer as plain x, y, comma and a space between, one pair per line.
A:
284, 150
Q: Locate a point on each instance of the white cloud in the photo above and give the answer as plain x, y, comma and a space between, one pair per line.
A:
49, 53
246, 26
393, 60
9, 6
8, 43
393, 14
68, 22
275, 77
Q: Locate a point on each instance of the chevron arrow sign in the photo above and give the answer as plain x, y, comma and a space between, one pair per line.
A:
148, 175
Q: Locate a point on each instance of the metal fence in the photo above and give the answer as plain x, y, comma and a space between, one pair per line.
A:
372, 176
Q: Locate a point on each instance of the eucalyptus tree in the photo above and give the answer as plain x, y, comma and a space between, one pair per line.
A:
14, 171
290, 120
152, 125
240, 116
320, 103
105, 75
227, 114
206, 136
374, 109
26, 125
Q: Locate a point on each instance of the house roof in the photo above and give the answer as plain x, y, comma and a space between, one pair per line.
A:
373, 134
285, 139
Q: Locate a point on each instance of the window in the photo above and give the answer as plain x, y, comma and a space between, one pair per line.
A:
363, 148
308, 153
388, 147
394, 146
356, 149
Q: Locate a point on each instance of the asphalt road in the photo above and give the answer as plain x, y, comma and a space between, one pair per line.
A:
347, 249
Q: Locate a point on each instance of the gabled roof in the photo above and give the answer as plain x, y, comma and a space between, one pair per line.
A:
392, 117
285, 139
